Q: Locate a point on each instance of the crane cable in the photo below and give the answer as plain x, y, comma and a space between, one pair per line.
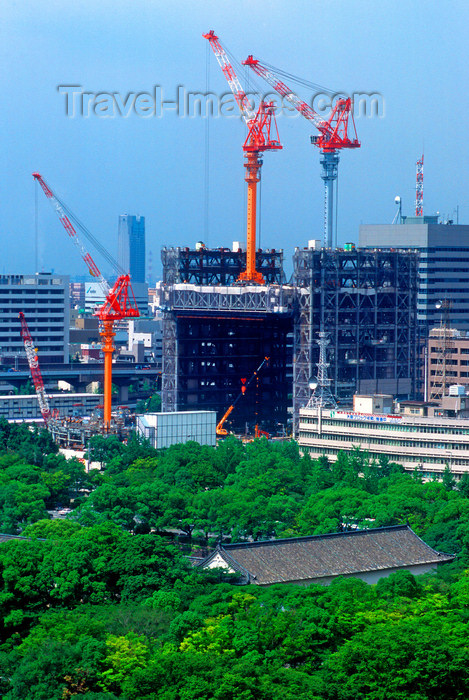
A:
87, 233
207, 149
298, 80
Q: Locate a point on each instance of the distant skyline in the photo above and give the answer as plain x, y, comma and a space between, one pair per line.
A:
412, 54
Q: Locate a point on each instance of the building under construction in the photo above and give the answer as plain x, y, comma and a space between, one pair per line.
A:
215, 335
367, 301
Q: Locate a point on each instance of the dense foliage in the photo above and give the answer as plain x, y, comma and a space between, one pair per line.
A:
102, 603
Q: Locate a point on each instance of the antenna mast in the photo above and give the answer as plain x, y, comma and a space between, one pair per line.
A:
322, 396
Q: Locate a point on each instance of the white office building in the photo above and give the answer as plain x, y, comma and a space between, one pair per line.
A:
416, 441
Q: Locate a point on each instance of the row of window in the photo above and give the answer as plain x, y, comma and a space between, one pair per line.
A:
399, 426
397, 442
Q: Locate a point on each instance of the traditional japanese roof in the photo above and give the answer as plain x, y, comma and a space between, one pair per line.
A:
323, 556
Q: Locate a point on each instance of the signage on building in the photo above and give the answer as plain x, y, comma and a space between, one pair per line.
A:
372, 417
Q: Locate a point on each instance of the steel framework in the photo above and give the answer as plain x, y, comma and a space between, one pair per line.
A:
367, 301
322, 396
213, 335
206, 266
439, 381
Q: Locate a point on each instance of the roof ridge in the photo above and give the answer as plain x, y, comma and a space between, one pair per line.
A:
326, 535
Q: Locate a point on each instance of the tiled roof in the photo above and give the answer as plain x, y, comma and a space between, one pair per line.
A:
319, 556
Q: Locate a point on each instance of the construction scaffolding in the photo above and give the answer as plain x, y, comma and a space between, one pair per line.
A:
439, 377
367, 301
218, 266
213, 335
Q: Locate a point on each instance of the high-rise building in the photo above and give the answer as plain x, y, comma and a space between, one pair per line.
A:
443, 264
131, 246
44, 300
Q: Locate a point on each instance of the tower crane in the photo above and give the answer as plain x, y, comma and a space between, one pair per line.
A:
333, 135
221, 431
119, 300
33, 362
262, 136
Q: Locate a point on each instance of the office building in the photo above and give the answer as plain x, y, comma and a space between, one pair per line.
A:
447, 361
443, 264
26, 407
131, 246
417, 437
44, 300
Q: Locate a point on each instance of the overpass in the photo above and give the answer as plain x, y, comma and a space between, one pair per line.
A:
79, 375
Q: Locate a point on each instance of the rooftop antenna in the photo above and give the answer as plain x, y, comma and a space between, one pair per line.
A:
322, 396
398, 215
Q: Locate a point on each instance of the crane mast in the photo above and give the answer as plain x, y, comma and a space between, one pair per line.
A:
33, 362
333, 136
262, 136
119, 301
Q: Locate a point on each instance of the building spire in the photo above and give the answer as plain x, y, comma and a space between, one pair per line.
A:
322, 396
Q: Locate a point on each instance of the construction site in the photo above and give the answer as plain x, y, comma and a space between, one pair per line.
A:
238, 337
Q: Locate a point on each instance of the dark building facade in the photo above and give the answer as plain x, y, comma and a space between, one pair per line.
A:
213, 341
215, 335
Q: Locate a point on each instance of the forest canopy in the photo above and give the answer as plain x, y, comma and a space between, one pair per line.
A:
103, 601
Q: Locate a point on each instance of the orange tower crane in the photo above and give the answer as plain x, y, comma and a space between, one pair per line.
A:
33, 362
120, 301
262, 136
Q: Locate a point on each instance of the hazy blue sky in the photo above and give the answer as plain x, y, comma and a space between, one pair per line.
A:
414, 53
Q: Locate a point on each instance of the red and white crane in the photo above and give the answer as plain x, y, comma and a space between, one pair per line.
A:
334, 135
120, 301
33, 362
262, 136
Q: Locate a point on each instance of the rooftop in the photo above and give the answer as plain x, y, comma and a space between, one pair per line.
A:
335, 554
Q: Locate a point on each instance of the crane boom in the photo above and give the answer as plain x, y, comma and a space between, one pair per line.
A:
33, 362
68, 226
230, 75
333, 135
119, 301
334, 131
283, 90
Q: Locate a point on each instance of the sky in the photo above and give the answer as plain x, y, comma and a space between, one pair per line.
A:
412, 53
